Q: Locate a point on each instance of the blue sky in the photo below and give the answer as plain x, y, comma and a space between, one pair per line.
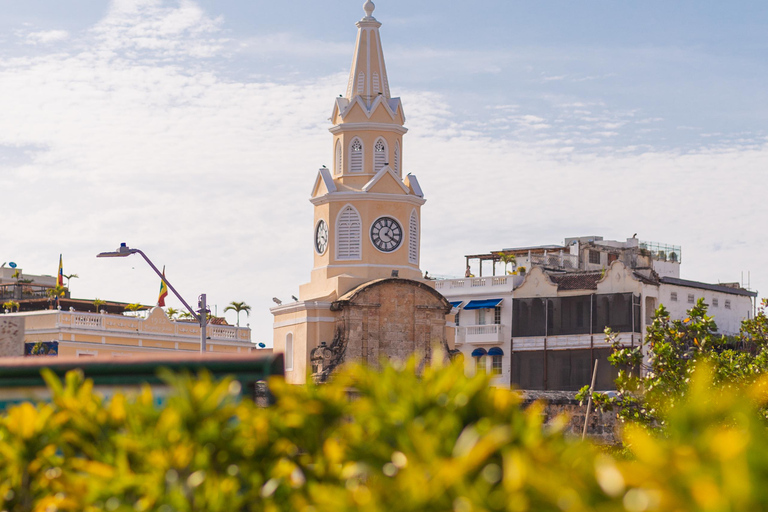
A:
193, 129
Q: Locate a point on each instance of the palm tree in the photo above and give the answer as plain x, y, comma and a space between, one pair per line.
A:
507, 259
133, 308
186, 315
171, 312
70, 276
97, 303
238, 307
56, 292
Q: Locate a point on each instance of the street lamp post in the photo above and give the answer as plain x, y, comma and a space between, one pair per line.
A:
201, 317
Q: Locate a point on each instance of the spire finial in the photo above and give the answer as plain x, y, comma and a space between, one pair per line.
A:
368, 7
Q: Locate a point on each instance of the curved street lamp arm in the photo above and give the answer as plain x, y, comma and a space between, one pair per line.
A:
170, 286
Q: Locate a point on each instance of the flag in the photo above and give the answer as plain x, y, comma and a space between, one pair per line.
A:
60, 275
163, 291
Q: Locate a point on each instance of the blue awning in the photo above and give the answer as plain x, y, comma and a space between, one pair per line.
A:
483, 304
495, 351
478, 352
456, 303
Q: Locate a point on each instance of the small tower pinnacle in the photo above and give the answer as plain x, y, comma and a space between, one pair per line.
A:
368, 7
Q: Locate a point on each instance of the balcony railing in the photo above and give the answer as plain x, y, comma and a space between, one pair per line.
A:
479, 334
470, 283
100, 322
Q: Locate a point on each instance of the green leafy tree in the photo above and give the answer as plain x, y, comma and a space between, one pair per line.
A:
239, 307
647, 390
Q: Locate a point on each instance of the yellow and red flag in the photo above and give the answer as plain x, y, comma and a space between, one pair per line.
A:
163, 291
60, 275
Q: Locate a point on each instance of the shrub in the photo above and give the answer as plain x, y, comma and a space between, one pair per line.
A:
371, 440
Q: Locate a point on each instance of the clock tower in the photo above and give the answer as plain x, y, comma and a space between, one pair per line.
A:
367, 215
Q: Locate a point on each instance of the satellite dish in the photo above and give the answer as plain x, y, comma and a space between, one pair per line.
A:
12, 264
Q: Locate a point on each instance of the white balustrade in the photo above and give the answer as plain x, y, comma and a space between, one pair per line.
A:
86, 320
493, 333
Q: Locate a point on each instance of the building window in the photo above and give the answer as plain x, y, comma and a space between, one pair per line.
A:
594, 257
338, 157
376, 86
497, 315
456, 320
356, 156
348, 234
727, 303
673, 296
691, 298
379, 155
496, 356
715, 302
496, 365
413, 239
289, 352
480, 317
480, 364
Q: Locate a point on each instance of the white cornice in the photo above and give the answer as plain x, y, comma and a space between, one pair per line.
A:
367, 196
346, 127
295, 307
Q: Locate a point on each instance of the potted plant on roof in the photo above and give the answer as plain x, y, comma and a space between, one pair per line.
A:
97, 303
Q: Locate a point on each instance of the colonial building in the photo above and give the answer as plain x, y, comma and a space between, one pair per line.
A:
540, 325
46, 324
366, 298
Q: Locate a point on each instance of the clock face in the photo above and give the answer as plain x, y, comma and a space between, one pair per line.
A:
386, 234
321, 237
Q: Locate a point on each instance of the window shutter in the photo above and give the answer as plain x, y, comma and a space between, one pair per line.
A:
356, 157
413, 239
397, 158
379, 155
348, 235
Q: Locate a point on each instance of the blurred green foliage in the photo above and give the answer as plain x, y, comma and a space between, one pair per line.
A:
376, 440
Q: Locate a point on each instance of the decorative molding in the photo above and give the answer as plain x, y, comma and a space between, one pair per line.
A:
296, 307
366, 196
386, 127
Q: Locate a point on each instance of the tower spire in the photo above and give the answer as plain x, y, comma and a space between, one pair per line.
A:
368, 76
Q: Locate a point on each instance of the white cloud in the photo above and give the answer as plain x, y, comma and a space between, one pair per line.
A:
211, 175
47, 36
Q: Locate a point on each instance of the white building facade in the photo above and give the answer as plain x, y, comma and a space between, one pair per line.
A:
541, 325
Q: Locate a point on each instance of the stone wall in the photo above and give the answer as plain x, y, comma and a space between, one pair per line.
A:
603, 427
11, 336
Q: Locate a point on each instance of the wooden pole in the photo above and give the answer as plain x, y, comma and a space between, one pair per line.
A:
589, 401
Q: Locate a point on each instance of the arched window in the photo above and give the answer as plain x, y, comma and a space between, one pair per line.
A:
397, 158
348, 234
376, 86
496, 356
379, 155
288, 352
356, 156
361, 83
479, 355
413, 239
338, 157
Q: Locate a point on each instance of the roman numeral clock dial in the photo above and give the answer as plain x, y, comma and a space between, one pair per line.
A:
321, 237
386, 234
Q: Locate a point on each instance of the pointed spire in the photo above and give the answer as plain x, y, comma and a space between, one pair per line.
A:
368, 76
